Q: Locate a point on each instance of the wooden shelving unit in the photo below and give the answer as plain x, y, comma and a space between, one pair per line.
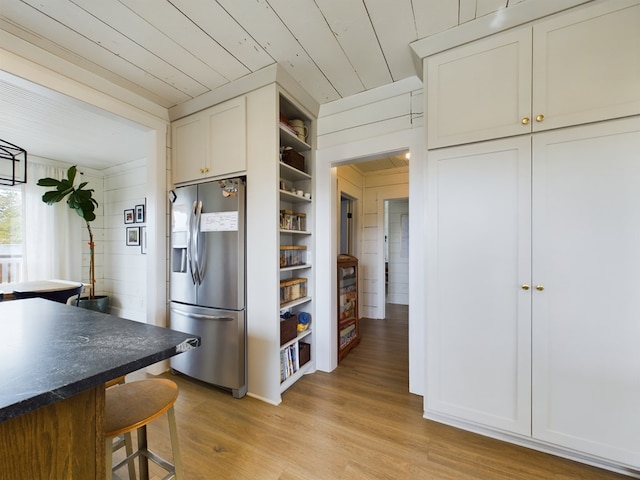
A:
348, 318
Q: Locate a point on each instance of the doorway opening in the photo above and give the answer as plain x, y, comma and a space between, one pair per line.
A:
347, 205
396, 251
373, 197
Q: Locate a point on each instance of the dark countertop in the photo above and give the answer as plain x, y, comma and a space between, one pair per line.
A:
50, 351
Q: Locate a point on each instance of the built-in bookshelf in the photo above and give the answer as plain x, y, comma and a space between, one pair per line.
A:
296, 237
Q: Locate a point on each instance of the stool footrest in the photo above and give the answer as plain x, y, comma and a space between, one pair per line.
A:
154, 457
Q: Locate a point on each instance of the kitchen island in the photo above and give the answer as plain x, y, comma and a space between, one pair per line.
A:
54, 362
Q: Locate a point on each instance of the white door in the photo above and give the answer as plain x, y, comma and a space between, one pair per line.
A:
586, 321
478, 315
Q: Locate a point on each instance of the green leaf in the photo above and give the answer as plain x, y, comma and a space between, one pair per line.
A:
48, 182
79, 199
52, 197
64, 184
71, 174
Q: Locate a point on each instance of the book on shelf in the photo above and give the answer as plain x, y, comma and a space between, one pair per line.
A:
347, 335
288, 362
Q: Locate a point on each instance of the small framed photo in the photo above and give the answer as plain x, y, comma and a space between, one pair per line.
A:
129, 216
133, 236
139, 213
143, 240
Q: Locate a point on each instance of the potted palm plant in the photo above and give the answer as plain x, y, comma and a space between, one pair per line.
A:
79, 199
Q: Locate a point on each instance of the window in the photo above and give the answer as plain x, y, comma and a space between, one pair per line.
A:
10, 234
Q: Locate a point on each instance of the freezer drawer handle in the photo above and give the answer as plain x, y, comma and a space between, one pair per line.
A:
200, 317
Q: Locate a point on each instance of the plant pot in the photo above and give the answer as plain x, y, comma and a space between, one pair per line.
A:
99, 303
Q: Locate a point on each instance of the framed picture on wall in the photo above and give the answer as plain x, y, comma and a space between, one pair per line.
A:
139, 213
133, 236
129, 216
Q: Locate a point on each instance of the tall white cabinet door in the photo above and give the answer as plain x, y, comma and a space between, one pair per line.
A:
480, 91
586, 321
586, 65
478, 314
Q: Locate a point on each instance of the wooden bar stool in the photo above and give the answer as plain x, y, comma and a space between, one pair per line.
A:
131, 406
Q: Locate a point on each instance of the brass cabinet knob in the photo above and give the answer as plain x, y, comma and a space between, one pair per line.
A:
539, 118
525, 287
525, 120
540, 287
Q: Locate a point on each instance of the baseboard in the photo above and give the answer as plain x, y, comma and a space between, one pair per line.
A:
533, 444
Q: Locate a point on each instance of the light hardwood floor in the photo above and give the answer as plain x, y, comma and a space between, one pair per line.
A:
358, 422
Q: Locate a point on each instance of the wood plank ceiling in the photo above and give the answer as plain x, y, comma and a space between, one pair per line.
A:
170, 51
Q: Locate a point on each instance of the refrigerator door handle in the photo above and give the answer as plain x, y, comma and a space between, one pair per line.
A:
199, 316
190, 258
199, 266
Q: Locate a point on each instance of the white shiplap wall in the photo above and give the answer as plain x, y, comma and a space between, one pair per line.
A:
381, 186
125, 267
392, 108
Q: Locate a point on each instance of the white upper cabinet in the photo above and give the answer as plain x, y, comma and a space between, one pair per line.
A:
189, 147
480, 91
582, 66
211, 143
587, 66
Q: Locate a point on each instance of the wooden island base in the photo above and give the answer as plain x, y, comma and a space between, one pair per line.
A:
61, 441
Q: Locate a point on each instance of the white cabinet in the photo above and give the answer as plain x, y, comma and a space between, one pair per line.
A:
573, 68
480, 91
586, 65
532, 287
533, 258
211, 143
586, 321
189, 148
478, 317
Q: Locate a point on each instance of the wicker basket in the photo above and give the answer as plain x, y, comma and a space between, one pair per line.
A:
292, 289
292, 255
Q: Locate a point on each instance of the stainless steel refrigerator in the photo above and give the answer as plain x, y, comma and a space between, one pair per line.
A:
207, 281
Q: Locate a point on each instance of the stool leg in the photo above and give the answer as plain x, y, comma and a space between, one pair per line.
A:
109, 458
173, 433
142, 459
128, 447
